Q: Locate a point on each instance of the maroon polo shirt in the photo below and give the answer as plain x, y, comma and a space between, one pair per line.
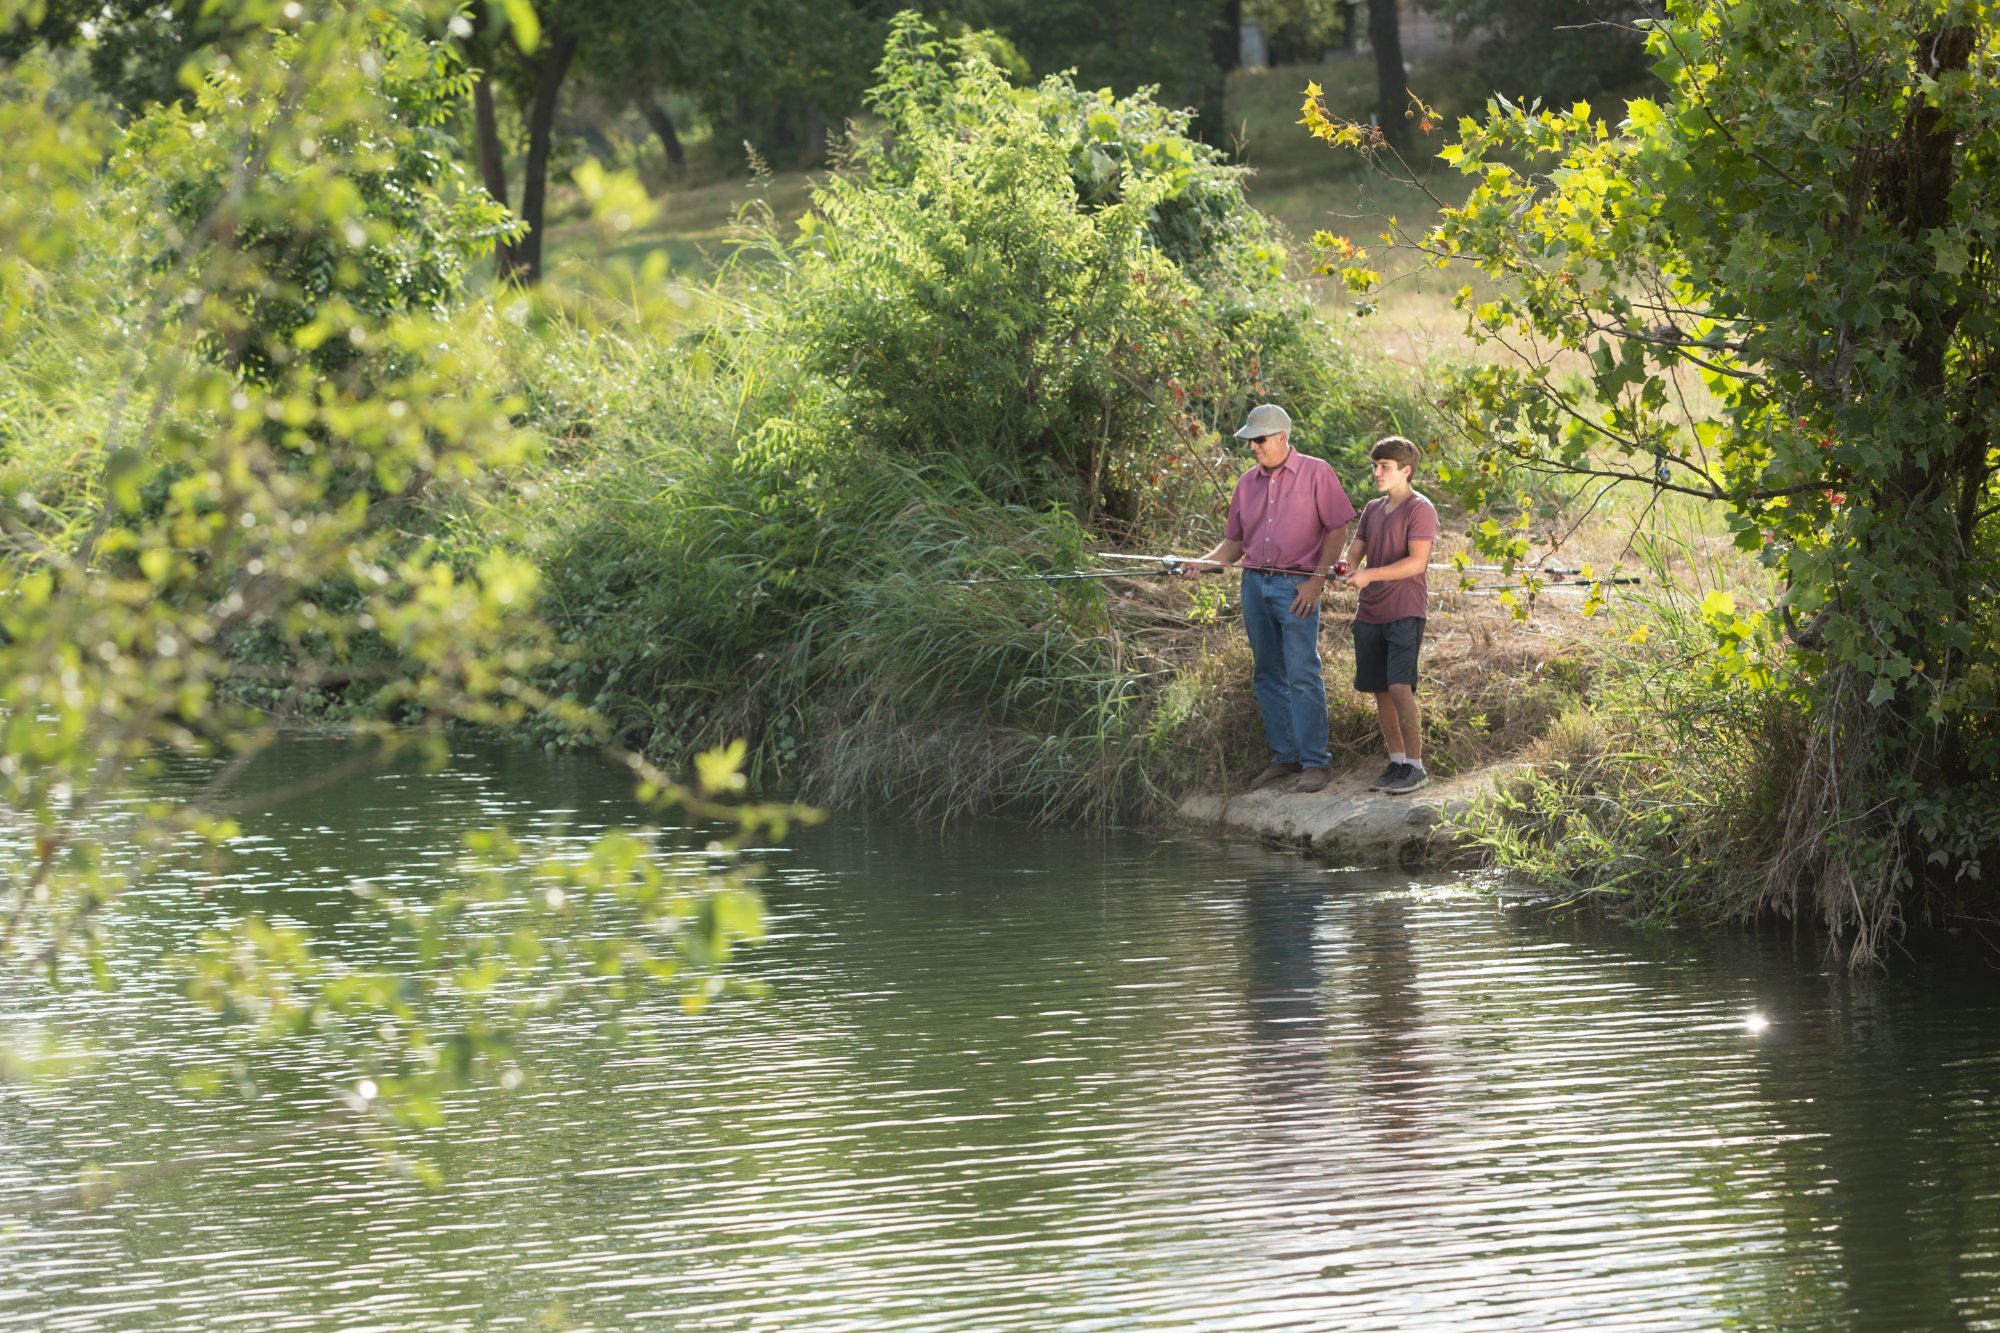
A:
1282, 516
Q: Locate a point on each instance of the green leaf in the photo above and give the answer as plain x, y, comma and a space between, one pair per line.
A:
1950, 253
526, 25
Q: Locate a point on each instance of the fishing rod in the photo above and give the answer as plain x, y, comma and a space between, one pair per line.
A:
1544, 587
1553, 574
1174, 562
1572, 578
1066, 576
1161, 566
1165, 566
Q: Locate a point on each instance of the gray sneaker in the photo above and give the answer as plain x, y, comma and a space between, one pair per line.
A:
1389, 775
1407, 781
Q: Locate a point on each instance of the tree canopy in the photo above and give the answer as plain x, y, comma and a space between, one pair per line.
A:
1802, 229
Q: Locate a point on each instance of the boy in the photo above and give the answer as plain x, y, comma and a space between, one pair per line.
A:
1394, 537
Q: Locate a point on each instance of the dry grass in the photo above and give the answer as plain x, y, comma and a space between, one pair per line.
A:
695, 227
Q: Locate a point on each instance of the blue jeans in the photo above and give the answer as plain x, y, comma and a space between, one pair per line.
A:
1291, 693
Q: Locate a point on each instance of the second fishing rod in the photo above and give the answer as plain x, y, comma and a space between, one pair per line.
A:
1172, 566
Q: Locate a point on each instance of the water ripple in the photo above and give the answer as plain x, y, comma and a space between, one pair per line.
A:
1014, 1080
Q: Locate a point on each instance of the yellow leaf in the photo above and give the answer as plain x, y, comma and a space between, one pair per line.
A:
721, 770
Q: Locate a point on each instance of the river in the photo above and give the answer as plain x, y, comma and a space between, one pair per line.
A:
1012, 1079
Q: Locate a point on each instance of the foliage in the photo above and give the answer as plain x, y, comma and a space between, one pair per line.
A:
1656, 791
1167, 48
1300, 32
247, 377
1058, 236
1552, 49
137, 52
1798, 231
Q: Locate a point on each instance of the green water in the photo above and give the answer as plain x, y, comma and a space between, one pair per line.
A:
1018, 1080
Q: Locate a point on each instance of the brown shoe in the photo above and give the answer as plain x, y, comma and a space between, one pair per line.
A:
1274, 773
1313, 779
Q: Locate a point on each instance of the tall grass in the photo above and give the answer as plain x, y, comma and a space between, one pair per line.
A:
60, 373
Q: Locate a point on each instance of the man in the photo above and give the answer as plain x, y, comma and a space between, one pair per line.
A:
1394, 538
1287, 519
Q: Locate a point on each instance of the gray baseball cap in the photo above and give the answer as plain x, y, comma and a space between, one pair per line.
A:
1265, 419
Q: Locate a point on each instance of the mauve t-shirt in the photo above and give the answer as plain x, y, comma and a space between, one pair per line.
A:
1385, 536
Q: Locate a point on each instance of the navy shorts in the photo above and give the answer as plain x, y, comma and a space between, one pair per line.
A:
1386, 655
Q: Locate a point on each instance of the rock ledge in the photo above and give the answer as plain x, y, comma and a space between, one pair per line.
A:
1347, 823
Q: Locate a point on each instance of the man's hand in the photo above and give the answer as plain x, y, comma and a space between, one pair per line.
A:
1306, 600
1194, 569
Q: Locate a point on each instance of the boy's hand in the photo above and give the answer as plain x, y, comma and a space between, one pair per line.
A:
1306, 600
1361, 578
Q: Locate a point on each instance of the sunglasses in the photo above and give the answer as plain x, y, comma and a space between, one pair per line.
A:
1255, 440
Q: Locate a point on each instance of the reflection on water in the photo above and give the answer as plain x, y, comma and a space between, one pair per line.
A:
1010, 1079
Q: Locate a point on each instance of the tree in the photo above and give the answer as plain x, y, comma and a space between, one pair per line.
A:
138, 52
237, 520
1803, 225
1300, 32
777, 73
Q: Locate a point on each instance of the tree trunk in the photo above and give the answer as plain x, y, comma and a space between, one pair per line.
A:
784, 134
1916, 193
1392, 83
815, 137
1857, 751
1225, 39
492, 166
486, 128
541, 128
486, 135
663, 126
